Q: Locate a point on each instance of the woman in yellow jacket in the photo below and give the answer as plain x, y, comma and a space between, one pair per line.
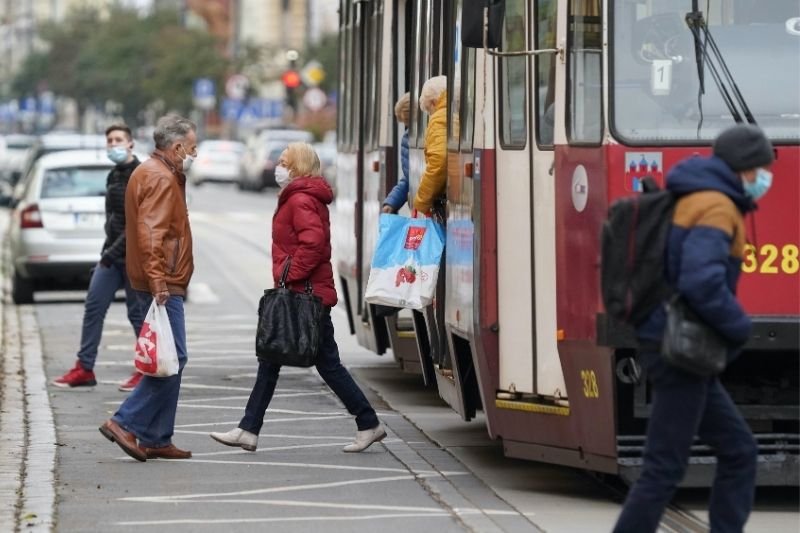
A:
429, 201
433, 100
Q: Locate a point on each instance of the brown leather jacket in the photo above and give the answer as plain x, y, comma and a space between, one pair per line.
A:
158, 238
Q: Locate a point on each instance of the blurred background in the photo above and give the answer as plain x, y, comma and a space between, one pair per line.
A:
244, 70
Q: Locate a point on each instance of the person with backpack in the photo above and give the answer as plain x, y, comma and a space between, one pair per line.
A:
704, 251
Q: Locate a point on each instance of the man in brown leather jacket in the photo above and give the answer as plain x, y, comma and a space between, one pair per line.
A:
159, 265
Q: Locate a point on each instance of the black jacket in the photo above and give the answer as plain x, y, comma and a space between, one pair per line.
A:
117, 182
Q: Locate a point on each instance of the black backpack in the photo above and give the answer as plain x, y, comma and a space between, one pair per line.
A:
633, 245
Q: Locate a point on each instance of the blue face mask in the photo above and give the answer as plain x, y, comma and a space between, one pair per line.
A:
118, 154
758, 188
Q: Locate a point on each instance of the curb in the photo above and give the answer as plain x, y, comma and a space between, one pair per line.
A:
27, 430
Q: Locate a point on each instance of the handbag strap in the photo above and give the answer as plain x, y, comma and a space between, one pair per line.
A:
285, 273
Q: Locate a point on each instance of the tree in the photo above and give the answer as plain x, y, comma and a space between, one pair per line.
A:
128, 59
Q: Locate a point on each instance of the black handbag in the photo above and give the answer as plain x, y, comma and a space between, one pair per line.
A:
288, 330
690, 344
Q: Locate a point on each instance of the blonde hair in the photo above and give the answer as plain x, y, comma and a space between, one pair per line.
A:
431, 92
304, 160
402, 109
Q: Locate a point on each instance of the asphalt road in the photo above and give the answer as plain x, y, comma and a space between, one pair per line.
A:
433, 472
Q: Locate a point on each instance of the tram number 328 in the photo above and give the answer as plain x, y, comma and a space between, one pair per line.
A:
774, 260
590, 389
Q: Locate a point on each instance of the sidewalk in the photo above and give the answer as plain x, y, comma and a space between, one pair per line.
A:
27, 432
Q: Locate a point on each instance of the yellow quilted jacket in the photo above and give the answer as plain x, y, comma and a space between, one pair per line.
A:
434, 180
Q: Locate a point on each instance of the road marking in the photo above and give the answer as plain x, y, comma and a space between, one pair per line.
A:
187, 521
173, 498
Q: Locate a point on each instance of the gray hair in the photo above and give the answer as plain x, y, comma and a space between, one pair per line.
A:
171, 128
431, 92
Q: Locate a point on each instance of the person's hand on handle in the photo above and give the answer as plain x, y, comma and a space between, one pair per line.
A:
387, 209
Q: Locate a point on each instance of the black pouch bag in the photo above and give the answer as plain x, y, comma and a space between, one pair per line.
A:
690, 344
288, 330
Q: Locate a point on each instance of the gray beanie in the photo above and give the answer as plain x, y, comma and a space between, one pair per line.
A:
744, 147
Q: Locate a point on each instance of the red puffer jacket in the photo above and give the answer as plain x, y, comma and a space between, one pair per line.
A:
301, 228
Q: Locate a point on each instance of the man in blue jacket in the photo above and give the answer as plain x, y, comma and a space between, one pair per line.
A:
703, 260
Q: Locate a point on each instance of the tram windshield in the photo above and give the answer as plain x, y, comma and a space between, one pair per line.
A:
655, 94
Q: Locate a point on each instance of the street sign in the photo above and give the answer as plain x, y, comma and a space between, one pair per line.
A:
252, 110
312, 73
236, 86
315, 99
203, 93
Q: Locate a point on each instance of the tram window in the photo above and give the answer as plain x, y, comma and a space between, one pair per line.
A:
368, 28
416, 127
454, 86
344, 63
545, 72
468, 99
585, 35
379, 95
514, 129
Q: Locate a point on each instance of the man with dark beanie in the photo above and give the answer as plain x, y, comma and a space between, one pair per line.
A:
703, 259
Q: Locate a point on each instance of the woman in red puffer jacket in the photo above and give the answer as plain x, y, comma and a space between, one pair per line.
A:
301, 230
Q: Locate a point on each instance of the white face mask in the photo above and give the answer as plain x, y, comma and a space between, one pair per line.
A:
282, 177
187, 161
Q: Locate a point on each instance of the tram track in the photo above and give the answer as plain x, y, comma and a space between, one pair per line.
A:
676, 519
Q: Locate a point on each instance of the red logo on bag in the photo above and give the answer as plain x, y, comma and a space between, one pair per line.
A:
414, 237
145, 359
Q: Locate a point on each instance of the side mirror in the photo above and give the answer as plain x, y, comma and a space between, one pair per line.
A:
472, 23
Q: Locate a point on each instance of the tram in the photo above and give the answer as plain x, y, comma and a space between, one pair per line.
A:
555, 109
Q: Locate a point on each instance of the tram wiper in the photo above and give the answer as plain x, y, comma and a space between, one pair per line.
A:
723, 79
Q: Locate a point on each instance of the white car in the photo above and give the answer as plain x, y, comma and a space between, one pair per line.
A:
217, 161
57, 227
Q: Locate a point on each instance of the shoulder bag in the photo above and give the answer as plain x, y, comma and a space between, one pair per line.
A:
690, 344
288, 331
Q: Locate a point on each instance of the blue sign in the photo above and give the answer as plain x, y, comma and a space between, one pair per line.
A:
28, 104
254, 109
203, 88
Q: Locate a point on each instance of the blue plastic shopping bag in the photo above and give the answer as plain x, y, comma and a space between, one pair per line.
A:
406, 262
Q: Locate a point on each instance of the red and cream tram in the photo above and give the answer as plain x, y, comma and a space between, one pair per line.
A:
555, 110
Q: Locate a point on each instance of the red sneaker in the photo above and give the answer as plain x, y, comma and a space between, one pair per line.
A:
77, 377
129, 385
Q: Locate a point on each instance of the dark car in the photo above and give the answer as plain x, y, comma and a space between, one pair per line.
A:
268, 174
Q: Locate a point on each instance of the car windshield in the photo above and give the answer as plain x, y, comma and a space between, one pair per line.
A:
655, 77
74, 182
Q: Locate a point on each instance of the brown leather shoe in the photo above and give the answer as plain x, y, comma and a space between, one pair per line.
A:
124, 439
166, 452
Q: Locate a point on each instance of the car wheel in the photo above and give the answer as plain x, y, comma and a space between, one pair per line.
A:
21, 290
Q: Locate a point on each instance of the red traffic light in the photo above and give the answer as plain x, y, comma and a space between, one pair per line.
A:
291, 79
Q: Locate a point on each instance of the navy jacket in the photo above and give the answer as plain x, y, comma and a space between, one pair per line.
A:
399, 194
705, 247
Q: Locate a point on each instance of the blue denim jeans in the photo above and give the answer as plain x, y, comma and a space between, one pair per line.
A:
105, 282
329, 367
149, 411
683, 406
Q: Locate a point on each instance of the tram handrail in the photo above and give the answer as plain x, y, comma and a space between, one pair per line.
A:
517, 53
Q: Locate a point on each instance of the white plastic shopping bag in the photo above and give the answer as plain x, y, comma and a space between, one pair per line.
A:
155, 348
406, 262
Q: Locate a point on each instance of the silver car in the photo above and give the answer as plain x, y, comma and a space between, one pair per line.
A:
57, 228
217, 161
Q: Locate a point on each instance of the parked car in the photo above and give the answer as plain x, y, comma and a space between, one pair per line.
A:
255, 160
274, 152
55, 142
56, 232
13, 150
217, 161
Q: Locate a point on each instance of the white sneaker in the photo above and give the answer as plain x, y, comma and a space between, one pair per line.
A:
365, 438
237, 437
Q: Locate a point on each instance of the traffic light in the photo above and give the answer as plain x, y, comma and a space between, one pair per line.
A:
291, 80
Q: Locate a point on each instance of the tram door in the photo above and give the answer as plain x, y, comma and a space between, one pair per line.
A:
526, 249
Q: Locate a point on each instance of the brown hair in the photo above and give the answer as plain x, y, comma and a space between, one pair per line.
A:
120, 127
